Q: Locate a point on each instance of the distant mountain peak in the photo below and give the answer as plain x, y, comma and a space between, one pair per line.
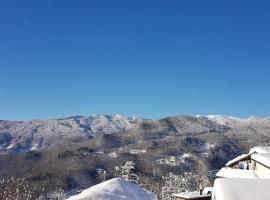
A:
43, 133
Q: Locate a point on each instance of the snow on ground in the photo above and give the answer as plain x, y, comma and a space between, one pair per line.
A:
191, 195
112, 123
34, 147
227, 172
210, 146
186, 155
238, 189
174, 160
11, 146
256, 119
224, 120
137, 151
115, 189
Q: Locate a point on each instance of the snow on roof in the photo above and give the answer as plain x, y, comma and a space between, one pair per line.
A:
115, 189
227, 172
259, 149
191, 195
137, 151
237, 188
263, 158
238, 159
186, 155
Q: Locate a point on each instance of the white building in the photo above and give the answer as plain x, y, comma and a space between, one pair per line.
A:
262, 164
241, 189
245, 177
255, 164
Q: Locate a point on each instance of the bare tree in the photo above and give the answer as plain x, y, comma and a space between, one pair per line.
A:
15, 188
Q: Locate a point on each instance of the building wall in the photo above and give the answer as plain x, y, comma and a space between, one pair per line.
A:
262, 171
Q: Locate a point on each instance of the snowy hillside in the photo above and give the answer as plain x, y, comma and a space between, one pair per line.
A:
235, 121
115, 189
225, 120
18, 136
179, 144
38, 134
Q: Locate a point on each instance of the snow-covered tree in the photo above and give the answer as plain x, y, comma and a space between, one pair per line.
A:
19, 189
59, 194
15, 188
127, 171
182, 183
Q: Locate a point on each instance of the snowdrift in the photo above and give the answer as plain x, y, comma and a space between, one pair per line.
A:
115, 189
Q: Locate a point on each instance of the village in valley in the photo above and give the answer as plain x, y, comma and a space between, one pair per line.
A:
134, 100
179, 157
245, 177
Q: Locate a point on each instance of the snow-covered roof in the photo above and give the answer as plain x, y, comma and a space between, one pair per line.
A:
137, 151
227, 172
191, 195
238, 159
238, 189
259, 149
115, 189
263, 158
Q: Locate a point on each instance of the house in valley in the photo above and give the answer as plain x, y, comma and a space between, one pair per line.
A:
245, 177
255, 164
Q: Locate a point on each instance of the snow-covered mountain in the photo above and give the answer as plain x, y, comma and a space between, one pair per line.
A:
224, 120
37, 134
231, 121
86, 143
21, 136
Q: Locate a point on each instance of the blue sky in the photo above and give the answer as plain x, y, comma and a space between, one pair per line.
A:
146, 58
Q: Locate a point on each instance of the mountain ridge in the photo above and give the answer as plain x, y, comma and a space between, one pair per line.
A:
20, 136
252, 117
38, 150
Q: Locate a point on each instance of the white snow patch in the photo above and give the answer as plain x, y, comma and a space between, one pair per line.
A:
137, 151
113, 155
186, 155
115, 189
191, 195
210, 146
259, 149
224, 120
238, 159
34, 147
227, 172
254, 150
11, 146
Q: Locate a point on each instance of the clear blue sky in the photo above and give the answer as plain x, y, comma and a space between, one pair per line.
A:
147, 58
